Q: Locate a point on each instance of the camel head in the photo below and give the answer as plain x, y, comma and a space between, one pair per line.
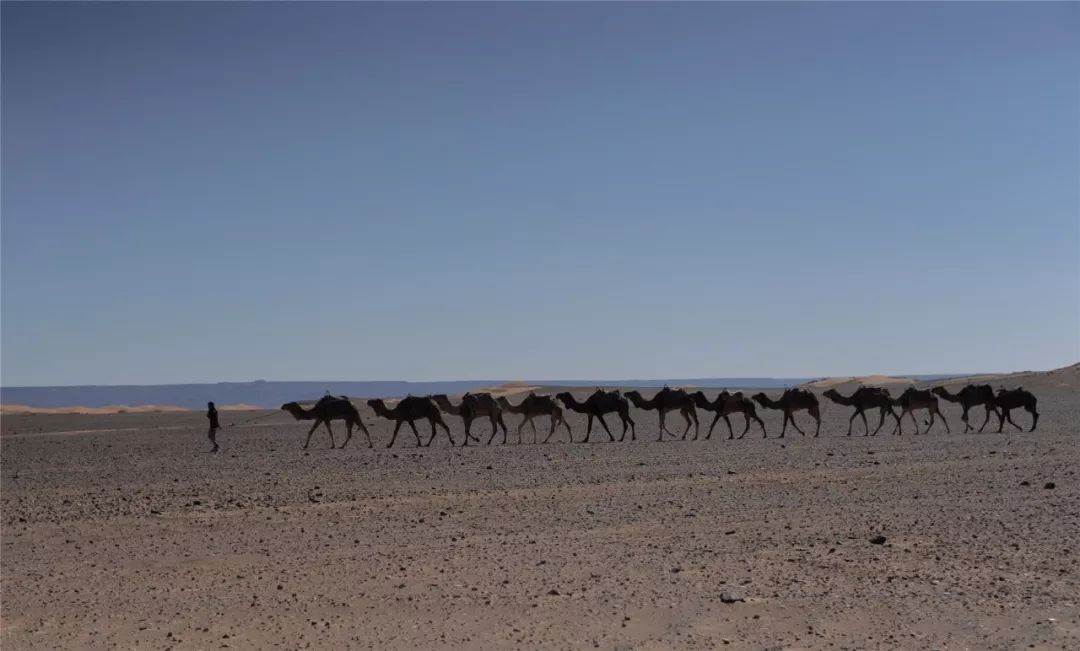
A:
699, 398
377, 404
565, 397
294, 408
833, 394
760, 398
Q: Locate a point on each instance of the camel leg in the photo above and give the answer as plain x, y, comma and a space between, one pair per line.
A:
943, 419
310, 432
746, 429
496, 420
730, 431
565, 424
550, 431
914, 421
964, 417
394, 437
331, 433
348, 433
522, 425
433, 421
881, 421
468, 427
599, 417
1034, 417
783, 429
796, 425
1008, 417
502, 423
988, 410
852, 420
663, 429
588, 429
417, 435
625, 416
360, 423
686, 417
439, 421
899, 428
816, 413
764, 433
715, 419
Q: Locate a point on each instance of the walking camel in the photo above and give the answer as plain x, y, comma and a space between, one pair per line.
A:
791, 401
473, 406
1008, 399
912, 399
596, 405
864, 399
665, 400
727, 404
971, 396
329, 408
407, 410
533, 406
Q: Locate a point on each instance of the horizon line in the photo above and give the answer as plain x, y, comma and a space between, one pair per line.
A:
552, 382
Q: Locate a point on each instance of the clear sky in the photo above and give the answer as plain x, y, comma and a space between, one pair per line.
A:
207, 192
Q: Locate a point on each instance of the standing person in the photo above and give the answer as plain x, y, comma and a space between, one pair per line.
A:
211, 413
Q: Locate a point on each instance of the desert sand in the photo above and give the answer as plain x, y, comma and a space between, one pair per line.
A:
122, 531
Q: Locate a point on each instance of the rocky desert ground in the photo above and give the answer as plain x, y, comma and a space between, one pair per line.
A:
122, 531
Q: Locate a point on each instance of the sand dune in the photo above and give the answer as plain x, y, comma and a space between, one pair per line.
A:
1065, 377
78, 409
865, 380
510, 389
114, 409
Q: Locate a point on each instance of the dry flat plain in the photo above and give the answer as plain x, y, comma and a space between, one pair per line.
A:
122, 531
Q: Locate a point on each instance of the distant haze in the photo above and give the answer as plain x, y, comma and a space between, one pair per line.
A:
273, 394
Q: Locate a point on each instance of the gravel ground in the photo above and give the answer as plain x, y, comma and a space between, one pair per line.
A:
122, 531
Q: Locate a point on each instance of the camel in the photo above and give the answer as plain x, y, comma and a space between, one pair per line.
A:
912, 399
407, 410
665, 400
473, 406
726, 404
864, 399
329, 408
971, 396
791, 401
533, 406
595, 406
1008, 399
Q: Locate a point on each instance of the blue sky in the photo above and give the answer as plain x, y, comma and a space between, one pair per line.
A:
208, 192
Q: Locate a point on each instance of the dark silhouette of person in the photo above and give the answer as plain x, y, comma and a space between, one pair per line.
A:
211, 413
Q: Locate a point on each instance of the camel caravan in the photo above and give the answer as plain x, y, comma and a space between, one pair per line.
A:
602, 402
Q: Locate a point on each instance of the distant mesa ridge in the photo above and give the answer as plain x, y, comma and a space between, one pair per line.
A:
272, 394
